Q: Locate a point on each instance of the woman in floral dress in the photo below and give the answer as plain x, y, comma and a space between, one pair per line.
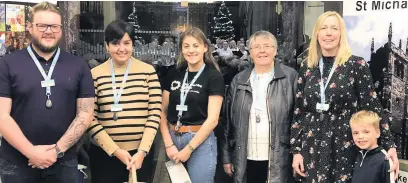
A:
321, 139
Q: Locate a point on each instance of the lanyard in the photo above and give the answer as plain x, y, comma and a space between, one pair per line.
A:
257, 83
116, 95
323, 88
41, 69
184, 91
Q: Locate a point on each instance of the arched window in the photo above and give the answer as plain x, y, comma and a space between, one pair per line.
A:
396, 68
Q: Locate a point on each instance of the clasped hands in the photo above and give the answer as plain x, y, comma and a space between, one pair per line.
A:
178, 156
42, 156
134, 161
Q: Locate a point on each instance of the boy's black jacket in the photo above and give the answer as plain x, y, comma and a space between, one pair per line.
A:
372, 167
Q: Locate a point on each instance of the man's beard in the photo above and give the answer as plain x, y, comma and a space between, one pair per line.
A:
36, 42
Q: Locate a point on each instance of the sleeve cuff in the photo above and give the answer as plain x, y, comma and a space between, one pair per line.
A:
226, 159
295, 150
5, 95
388, 146
109, 148
86, 96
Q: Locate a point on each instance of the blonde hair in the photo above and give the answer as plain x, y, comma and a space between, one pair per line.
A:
366, 117
315, 52
43, 6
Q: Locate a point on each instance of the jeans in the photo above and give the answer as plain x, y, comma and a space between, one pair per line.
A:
59, 172
203, 161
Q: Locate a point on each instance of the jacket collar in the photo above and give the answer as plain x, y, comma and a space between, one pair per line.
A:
372, 151
244, 79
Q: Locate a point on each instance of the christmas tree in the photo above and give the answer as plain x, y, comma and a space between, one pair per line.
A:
223, 28
134, 21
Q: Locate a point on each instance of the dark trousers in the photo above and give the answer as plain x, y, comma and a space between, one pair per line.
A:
106, 169
59, 172
80, 178
257, 171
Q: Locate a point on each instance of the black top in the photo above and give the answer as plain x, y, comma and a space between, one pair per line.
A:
20, 80
209, 83
371, 167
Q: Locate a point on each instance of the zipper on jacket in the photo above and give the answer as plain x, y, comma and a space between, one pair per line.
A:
364, 155
270, 132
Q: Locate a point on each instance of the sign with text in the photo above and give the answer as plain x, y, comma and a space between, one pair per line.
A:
355, 7
402, 177
369, 27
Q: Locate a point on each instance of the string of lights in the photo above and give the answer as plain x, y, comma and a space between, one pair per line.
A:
223, 25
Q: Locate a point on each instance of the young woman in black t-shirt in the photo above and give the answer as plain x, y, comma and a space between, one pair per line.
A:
187, 125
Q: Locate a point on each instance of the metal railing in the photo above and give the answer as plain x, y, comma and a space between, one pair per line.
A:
91, 46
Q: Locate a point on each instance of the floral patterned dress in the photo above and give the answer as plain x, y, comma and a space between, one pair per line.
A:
327, 145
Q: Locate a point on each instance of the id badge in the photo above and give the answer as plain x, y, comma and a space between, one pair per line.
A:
116, 108
322, 107
181, 108
47, 83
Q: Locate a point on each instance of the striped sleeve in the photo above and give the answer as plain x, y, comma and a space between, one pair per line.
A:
154, 108
98, 133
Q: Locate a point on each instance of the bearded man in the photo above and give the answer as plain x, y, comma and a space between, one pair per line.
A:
47, 102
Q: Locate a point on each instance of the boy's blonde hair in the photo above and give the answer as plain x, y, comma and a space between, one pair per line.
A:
366, 117
43, 6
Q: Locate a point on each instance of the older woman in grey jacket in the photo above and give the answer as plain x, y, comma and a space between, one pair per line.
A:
258, 112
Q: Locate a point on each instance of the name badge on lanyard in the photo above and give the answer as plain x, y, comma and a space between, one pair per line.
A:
47, 83
181, 108
323, 106
183, 95
116, 107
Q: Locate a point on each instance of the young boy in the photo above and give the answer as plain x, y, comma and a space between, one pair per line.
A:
371, 165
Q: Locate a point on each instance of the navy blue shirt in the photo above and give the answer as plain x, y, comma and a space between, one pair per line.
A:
20, 80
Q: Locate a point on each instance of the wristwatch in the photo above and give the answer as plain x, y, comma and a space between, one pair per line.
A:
60, 154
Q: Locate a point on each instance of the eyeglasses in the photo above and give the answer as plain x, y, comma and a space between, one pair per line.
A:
55, 28
265, 47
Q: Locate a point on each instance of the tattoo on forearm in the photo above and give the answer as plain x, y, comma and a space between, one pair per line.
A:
84, 105
79, 124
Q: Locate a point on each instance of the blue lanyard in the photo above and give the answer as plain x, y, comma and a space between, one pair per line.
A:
41, 69
323, 88
184, 91
257, 84
116, 95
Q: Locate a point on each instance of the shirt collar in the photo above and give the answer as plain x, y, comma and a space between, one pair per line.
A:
42, 59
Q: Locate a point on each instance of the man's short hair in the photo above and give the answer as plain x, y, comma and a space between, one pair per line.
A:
43, 6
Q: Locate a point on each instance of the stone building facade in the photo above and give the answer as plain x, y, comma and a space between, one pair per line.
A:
389, 67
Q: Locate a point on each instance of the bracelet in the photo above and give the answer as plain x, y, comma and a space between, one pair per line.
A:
190, 147
169, 146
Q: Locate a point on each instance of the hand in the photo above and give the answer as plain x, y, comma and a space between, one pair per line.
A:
182, 156
137, 160
42, 156
297, 165
123, 156
229, 169
171, 152
392, 153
